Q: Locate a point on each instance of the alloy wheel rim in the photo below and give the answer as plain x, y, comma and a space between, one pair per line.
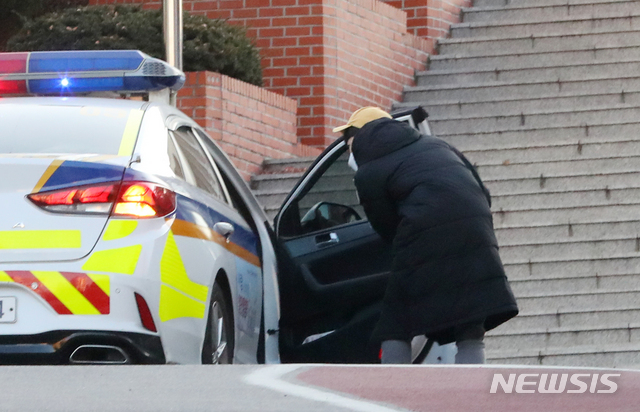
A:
218, 334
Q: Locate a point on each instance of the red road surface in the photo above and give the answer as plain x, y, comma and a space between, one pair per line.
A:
468, 388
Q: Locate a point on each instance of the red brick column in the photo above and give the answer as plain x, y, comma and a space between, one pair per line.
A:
431, 19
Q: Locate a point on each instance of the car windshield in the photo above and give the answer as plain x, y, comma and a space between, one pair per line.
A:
61, 129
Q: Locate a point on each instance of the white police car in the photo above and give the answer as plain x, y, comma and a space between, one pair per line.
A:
127, 236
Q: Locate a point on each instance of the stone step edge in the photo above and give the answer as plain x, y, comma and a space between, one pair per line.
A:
563, 20
444, 72
596, 109
272, 161
510, 100
496, 84
533, 37
583, 293
533, 129
566, 329
270, 176
538, 6
569, 260
544, 279
576, 350
558, 225
553, 145
595, 49
559, 312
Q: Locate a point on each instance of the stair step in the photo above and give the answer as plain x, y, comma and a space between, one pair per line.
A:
579, 284
567, 71
615, 299
519, 137
530, 89
539, 41
585, 198
560, 337
559, 168
567, 25
574, 250
506, 3
515, 105
547, 12
290, 165
561, 183
552, 216
511, 236
591, 150
479, 124
606, 356
573, 267
570, 319
534, 59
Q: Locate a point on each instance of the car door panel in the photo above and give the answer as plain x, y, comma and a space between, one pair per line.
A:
331, 280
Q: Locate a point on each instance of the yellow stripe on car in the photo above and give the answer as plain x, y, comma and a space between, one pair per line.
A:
130, 133
40, 239
4, 277
174, 304
66, 293
121, 260
47, 174
173, 272
103, 282
119, 229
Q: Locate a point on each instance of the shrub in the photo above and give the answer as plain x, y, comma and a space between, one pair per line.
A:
209, 44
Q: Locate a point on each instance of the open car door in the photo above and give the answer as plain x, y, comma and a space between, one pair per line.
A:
333, 267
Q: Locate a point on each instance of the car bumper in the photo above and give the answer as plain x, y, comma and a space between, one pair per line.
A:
81, 347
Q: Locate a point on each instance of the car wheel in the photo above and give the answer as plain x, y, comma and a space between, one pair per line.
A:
219, 335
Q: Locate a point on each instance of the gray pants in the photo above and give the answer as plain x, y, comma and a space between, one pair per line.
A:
469, 340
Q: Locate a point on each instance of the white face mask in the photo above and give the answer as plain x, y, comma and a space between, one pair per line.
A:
352, 162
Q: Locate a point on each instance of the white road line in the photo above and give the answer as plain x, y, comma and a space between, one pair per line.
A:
269, 377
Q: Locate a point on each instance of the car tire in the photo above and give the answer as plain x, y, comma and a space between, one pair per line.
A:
219, 339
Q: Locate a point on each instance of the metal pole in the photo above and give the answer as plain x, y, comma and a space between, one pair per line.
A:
172, 13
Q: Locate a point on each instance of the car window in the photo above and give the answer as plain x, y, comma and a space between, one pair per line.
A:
174, 158
62, 129
330, 201
203, 173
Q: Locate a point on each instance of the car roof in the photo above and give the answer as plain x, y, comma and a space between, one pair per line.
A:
107, 102
75, 101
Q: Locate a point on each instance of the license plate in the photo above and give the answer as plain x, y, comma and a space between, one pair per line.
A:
7, 309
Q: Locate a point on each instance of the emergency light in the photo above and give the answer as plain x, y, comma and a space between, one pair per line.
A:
70, 72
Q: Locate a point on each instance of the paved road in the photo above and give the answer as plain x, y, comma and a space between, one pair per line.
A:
296, 388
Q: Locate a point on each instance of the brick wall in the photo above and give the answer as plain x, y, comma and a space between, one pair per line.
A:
431, 19
332, 56
248, 122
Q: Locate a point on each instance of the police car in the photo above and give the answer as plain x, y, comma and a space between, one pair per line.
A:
127, 236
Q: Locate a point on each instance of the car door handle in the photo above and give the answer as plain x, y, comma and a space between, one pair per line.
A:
225, 229
327, 239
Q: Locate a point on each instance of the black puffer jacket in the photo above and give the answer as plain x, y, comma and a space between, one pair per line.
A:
424, 196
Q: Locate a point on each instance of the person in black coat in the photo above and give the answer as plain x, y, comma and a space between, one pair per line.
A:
423, 196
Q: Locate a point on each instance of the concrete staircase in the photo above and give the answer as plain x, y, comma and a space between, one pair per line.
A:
544, 97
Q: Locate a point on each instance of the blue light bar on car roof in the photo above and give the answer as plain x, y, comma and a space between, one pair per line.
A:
68, 72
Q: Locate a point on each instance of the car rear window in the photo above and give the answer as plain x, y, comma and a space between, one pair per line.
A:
62, 129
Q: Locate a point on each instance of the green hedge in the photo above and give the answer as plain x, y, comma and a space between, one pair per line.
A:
209, 44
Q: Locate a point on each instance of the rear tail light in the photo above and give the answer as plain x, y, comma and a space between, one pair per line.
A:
145, 314
142, 199
129, 199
